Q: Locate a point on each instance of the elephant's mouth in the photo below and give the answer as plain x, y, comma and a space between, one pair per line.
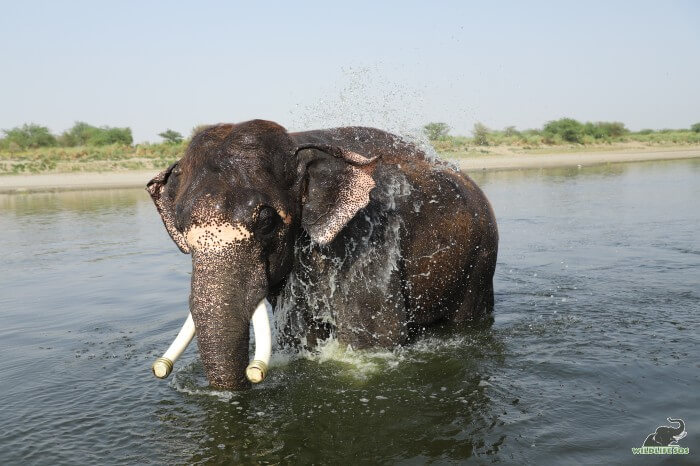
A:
258, 367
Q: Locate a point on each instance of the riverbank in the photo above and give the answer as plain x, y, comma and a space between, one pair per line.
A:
139, 178
572, 159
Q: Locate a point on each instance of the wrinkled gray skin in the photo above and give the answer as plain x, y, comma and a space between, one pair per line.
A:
351, 231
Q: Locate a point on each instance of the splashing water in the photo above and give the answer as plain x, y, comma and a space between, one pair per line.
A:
372, 258
368, 98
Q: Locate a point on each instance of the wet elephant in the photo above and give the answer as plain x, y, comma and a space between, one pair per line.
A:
352, 232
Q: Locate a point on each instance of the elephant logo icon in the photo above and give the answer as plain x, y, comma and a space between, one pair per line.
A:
665, 436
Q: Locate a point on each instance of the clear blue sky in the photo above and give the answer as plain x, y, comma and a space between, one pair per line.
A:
154, 65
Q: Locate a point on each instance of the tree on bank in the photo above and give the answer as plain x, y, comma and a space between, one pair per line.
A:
510, 131
78, 135
570, 130
27, 136
436, 130
481, 134
83, 134
567, 129
171, 137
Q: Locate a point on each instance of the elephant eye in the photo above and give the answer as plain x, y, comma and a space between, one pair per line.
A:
267, 221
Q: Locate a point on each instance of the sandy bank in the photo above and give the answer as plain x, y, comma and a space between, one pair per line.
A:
584, 159
138, 179
74, 181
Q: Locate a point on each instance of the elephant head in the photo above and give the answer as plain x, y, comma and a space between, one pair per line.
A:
236, 202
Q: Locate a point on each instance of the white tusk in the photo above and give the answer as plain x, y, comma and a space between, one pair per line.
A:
163, 366
257, 369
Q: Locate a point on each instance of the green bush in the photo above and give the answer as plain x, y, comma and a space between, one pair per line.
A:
171, 137
78, 135
511, 131
481, 134
566, 129
605, 129
106, 136
83, 134
613, 129
436, 130
28, 136
695, 128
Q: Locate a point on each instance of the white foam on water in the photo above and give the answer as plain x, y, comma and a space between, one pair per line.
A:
362, 364
359, 364
186, 380
433, 345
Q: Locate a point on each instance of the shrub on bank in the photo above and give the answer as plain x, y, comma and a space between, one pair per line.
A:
436, 130
32, 136
171, 137
481, 134
29, 135
565, 129
83, 134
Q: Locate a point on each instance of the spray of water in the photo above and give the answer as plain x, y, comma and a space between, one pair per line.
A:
367, 97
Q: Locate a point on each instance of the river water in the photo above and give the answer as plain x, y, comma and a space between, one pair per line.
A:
596, 340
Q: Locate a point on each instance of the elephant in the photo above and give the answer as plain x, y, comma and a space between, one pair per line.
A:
664, 436
353, 232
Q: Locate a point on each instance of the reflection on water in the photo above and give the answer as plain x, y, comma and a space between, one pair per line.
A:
73, 201
483, 177
595, 342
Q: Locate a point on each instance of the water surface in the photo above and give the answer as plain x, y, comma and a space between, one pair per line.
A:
596, 340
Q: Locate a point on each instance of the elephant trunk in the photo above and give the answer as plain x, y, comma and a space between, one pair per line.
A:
225, 295
256, 370
681, 428
223, 348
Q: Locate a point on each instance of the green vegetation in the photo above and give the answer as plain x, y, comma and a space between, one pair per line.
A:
481, 134
31, 136
563, 135
27, 135
113, 157
570, 130
171, 137
82, 134
435, 131
32, 148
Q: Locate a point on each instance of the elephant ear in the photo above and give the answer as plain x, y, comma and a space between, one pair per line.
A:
337, 188
162, 189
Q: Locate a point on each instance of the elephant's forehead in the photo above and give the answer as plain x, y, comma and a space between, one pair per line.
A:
216, 237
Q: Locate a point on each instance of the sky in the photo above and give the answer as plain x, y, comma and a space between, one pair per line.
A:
391, 64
